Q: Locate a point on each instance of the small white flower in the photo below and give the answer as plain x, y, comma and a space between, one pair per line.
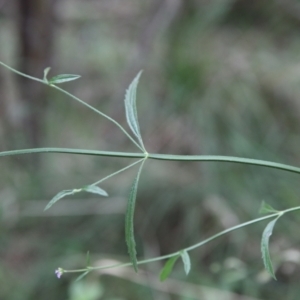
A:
59, 272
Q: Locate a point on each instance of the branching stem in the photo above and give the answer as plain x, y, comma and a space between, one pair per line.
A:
77, 99
193, 247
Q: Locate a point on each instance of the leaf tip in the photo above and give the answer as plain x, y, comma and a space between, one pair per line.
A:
266, 208
46, 71
168, 267
47, 207
186, 261
63, 78
95, 190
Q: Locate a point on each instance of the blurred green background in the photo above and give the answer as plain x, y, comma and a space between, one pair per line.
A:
220, 78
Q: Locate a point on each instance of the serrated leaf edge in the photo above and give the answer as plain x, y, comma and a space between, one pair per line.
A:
129, 220
265, 247
131, 110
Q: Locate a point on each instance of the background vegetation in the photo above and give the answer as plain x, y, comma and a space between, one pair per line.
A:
220, 77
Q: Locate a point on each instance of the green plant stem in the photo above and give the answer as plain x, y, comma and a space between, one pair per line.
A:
117, 172
205, 158
98, 112
75, 98
22, 74
278, 214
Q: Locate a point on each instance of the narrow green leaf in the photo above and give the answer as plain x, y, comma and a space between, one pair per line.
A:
129, 220
59, 196
95, 190
265, 247
88, 259
186, 261
129, 224
265, 208
90, 188
63, 78
168, 267
81, 276
46, 71
130, 108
